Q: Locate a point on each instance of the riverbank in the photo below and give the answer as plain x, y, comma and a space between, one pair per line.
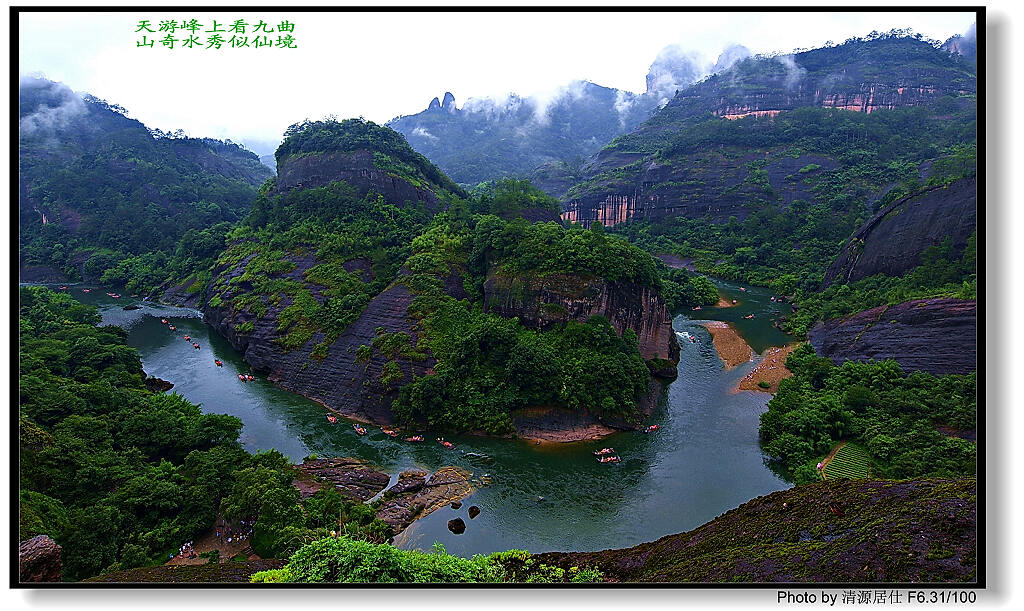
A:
771, 370
730, 345
552, 425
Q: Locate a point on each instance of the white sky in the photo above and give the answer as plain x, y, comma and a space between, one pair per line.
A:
380, 65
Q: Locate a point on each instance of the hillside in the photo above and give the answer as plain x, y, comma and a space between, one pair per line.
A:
770, 197
838, 531
353, 280
103, 197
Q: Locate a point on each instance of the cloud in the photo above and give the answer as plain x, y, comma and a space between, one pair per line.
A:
423, 133
674, 68
56, 105
728, 57
794, 71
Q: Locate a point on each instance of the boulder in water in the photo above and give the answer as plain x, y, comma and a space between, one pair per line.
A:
474, 511
457, 526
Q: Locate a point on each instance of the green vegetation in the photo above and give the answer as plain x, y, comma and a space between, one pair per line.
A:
941, 274
342, 560
120, 476
508, 196
893, 415
391, 151
850, 461
787, 245
489, 366
124, 205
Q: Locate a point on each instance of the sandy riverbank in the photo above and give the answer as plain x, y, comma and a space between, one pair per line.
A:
724, 303
772, 370
730, 346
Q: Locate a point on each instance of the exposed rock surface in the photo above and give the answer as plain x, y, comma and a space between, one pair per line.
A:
892, 241
39, 560
457, 526
356, 169
541, 301
934, 335
884, 531
558, 425
154, 384
224, 572
185, 295
339, 381
418, 495
352, 477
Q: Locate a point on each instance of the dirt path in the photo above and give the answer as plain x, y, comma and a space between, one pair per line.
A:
831, 455
210, 541
771, 370
730, 346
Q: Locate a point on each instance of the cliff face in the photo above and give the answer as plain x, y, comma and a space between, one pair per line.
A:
355, 168
711, 184
664, 169
938, 336
338, 381
539, 302
892, 241
832, 531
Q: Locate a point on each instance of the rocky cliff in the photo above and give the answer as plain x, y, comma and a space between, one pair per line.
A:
339, 381
938, 336
839, 531
892, 241
681, 163
355, 168
541, 301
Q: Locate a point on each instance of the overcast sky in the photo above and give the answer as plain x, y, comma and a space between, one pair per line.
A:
380, 65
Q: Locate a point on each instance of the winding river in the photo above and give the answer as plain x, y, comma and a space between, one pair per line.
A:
703, 460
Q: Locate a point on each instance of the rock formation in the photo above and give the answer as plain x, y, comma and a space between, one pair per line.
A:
351, 477
39, 560
938, 336
416, 495
892, 241
541, 301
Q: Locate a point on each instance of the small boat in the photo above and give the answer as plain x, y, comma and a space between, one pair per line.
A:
651, 428
196, 346
773, 299
605, 459
249, 377
163, 321
188, 339
359, 429
332, 418
172, 328
86, 290
389, 432
218, 363
734, 302
693, 339
63, 288
116, 296
748, 316
604, 451
695, 308
414, 438
446, 444
742, 289
241, 377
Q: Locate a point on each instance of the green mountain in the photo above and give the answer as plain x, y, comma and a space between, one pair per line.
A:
103, 197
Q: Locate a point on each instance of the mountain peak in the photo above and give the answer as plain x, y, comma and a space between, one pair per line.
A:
434, 104
449, 102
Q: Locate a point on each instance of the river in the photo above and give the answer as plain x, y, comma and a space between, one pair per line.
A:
704, 459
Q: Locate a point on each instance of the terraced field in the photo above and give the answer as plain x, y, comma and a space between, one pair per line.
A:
851, 462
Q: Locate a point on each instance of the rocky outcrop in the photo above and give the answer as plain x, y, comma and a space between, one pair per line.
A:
356, 168
709, 183
39, 560
892, 241
339, 381
415, 495
351, 477
842, 531
938, 336
186, 294
542, 301
560, 425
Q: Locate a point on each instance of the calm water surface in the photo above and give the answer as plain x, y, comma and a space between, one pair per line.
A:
703, 461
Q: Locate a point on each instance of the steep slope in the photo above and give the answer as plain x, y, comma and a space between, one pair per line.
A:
99, 190
939, 336
838, 531
357, 271
893, 240
687, 161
